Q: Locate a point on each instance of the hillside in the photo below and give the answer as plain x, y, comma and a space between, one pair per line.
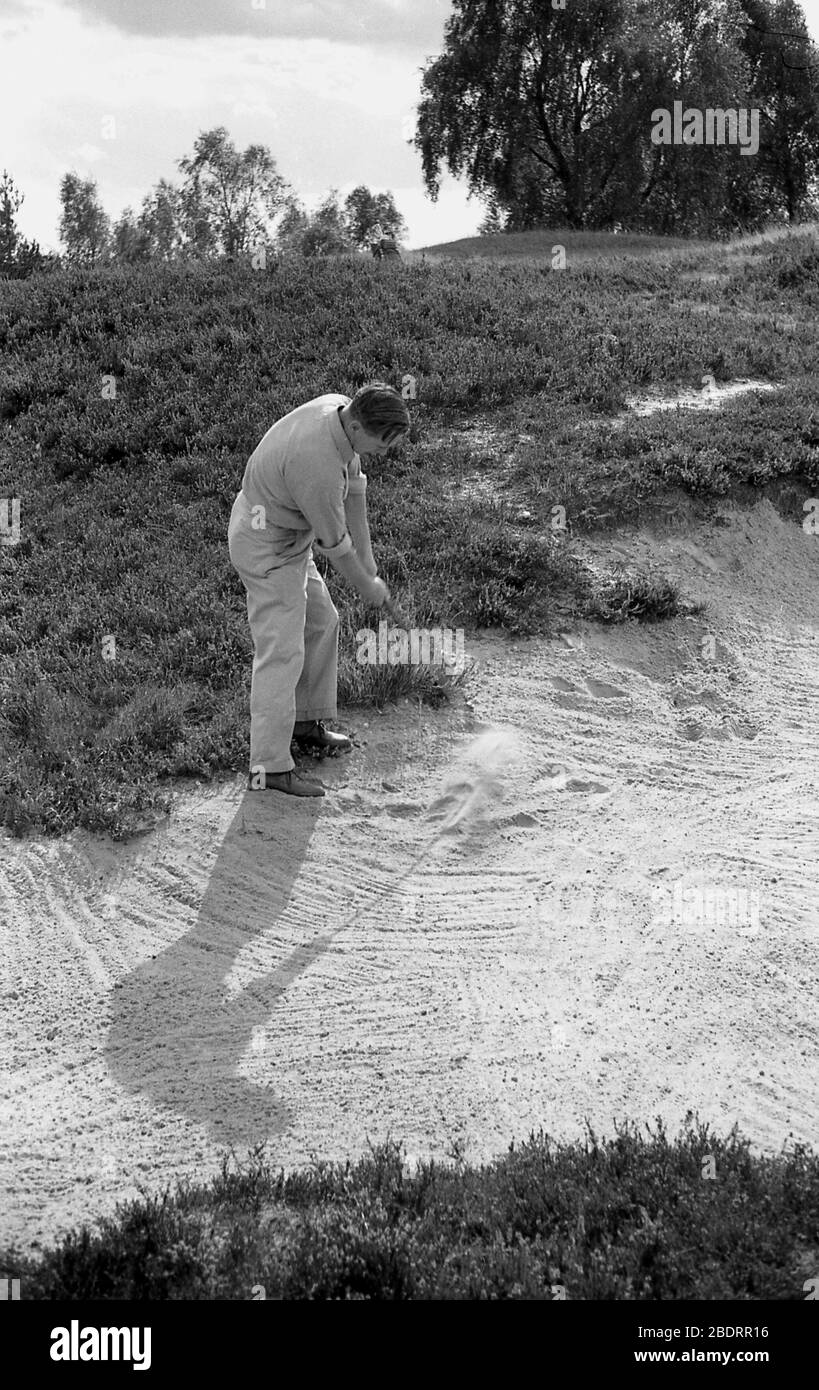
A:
521, 378
538, 244
584, 246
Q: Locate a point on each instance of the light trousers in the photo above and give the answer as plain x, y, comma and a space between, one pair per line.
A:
294, 626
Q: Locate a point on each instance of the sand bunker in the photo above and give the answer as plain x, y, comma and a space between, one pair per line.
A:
587, 894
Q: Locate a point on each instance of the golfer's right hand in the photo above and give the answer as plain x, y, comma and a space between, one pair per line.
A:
376, 592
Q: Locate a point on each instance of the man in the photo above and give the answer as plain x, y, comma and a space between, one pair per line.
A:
385, 248
303, 484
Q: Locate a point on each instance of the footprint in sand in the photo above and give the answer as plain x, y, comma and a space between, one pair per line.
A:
558, 780
570, 702
402, 809
743, 728
639, 667
601, 690
706, 699
731, 728
699, 555
692, 731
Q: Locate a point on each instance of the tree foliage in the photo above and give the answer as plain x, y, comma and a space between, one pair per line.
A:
228, 200
333, 229
18, 257
85, 229
161, 219
326, 232
369, 215
227, 204
548, 111
784, 67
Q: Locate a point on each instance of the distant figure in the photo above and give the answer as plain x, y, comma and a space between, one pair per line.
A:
385, 249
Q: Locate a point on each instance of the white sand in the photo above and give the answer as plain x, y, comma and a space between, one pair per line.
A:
490, 947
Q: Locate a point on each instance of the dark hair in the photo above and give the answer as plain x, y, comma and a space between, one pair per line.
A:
381, 410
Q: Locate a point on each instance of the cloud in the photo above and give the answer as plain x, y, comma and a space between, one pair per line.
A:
15, 10
413, 24
256, 107
331, 113
89, 154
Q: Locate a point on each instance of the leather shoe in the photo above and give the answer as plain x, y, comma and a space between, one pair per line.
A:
316, 735
288, 782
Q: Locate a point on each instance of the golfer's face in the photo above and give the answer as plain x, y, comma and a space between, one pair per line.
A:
370, 445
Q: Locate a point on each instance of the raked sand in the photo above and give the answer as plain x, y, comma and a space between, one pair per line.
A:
588, 892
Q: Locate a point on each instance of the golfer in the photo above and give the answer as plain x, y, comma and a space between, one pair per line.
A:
303, 485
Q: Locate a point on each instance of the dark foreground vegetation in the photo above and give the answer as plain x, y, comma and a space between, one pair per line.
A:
639, 1216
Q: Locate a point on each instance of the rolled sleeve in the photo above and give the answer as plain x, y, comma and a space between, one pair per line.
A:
335, 552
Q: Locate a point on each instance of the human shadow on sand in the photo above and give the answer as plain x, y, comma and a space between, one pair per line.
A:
177, 1034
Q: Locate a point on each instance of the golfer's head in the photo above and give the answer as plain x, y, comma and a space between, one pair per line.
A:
379, 418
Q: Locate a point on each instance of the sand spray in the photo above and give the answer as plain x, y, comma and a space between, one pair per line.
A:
472, 786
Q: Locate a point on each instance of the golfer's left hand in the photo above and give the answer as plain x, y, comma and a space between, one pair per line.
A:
397, 613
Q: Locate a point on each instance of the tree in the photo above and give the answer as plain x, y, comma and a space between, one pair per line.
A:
228, 200
549, 112
695, 49
130, 241
492, 221
319, 233
18, 257
326, 233
84, 226
161, 219
527, 100
366, 213
784, 63
293, 223
10, 203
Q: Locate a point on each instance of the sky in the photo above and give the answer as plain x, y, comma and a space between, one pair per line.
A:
118, 91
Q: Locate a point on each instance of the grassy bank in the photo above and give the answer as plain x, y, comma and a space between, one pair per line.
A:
125, 490
580, 245
639, 1216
